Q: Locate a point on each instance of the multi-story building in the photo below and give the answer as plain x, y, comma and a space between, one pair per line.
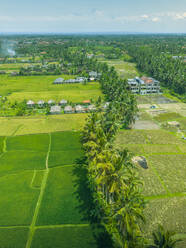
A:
144, 85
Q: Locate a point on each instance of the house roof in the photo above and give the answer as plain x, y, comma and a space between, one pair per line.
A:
55, 108
86, 101
63, 101
59, 80
40, 102
79, 107
30, 102
50, 101
68, 108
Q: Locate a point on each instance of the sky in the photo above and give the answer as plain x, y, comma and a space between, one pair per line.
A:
75, 16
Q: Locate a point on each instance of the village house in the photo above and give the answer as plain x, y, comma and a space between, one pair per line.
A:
55, 109
86, 102
68, 110
70, 81
30, 104
79, 109
63, 102
144, 85
41, 103
59, 81
91, 108
51, 102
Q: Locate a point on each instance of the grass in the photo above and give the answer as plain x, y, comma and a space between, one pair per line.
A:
37, 142
65, 141
13, 237
42, 87
125, 69
1, 144
45, 124
164, 180
67, 237
37, 179
167, 117
64, 157
172, 170
170, 212
17, 199
14, 161
60, 204
14, 66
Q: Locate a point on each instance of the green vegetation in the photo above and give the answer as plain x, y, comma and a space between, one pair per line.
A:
28, 142
13, 237
60, 205
41, 124
125, 69
164, 183
17, 199
44, 199
42, 87
68, 237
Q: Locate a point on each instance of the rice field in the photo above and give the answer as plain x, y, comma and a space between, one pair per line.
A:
164, 180
39, 205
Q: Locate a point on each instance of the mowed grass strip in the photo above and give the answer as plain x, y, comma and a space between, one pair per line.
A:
14, 161
13, 237
37, 142
17, 199
60, 204
67, 157
171, 169
65, 141
64, 237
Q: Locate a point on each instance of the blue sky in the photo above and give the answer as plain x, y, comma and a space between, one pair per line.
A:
162, 16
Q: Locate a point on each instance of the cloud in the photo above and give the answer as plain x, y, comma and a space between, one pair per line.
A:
155, 19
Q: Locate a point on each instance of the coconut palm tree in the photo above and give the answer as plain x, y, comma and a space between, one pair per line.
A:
163, 238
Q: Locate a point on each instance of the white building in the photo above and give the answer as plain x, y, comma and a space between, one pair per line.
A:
144, 85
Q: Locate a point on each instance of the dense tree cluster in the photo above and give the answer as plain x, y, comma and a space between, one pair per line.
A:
112, 176
171, 72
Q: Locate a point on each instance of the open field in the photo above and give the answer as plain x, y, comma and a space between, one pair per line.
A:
40, 124
14, 66
125, 69
39, 205
164, 180
42, 87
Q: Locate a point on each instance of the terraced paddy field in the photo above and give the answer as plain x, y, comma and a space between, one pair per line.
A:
164, 180
39, 206
35, 88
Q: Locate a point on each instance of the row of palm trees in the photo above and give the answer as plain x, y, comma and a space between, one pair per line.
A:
113, 178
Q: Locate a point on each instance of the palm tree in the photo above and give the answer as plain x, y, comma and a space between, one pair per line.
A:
163, 238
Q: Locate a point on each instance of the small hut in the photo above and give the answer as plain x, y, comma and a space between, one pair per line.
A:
30, 104
41, 103
79, 109
51, 102
55, 109
91, 108
63, 102
68, 110
59, 81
